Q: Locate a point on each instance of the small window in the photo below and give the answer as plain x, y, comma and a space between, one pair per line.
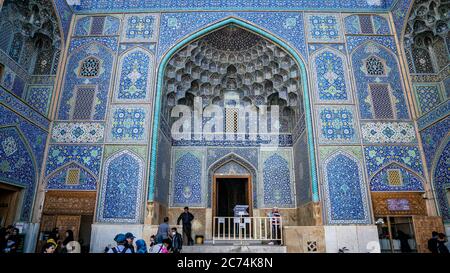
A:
394, 178
73, 177
97, 25
90, 68
231, 120
381, 101
375, 66
84, 101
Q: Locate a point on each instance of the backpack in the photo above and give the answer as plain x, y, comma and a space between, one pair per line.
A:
114, 249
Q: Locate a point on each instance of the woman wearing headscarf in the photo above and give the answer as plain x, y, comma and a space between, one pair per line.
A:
69, 244
141, 246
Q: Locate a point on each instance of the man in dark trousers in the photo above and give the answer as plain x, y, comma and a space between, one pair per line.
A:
186, 217
433, 242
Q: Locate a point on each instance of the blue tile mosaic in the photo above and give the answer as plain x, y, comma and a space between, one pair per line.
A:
432, 139
288, 26
36, 137
18, 86
337, 124
39, 97
135, 70
440, 112
140, 28
65, 14
441, 182
388, 132
187, 186
88, 156
391, 77
122, 5
92, 132
17, 166
345, 191
83, 26
91, 48
277, 182
377, 157
122, 189
330, 75
128, 124
57, 180
324, 27
410, 181
249, 154
428, 96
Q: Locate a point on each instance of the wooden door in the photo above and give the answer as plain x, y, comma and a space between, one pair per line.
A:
65, 222
423, 226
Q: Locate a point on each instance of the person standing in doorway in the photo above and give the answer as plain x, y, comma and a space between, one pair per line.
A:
275, 221
186, 218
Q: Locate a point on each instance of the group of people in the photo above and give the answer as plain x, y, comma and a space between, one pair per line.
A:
54, 244
438, 243
166, 240
9, 239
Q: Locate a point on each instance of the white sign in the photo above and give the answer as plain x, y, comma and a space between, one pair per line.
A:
247, 220
221, 220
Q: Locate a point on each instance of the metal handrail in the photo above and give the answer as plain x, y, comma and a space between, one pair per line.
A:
245, 228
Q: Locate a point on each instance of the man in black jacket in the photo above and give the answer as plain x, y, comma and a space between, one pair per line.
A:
177, 241
186, 217
433, 242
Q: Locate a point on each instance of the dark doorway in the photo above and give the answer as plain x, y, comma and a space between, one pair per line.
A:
9, 197
231, 192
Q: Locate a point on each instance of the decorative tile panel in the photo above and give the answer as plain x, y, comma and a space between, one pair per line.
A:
432, 139
77, 132
121, 196
324, 28
441, 183
17, 166
88, 156
391, 78
135, 80
164, 5
58, 179
378, 157
277, 178
388, 132
39, 97
409, 180
344, 188
128, 124
331, 76
187, 180
140, 28
428, 96
72, 80
337, 124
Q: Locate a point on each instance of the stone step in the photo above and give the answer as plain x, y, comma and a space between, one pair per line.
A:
227, 248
